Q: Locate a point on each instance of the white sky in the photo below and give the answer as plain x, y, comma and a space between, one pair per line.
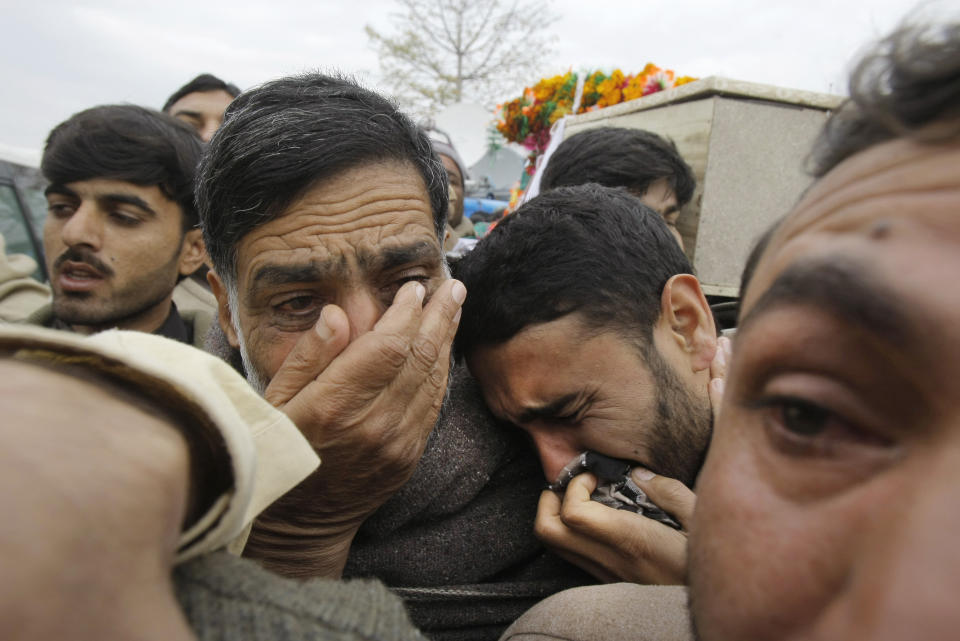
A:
59, 57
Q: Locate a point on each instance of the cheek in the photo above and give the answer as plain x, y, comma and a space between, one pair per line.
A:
51, 236
761, 566
266, 346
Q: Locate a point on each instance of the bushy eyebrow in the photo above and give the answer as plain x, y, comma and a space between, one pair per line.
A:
386, 259
839, 287
389, 258
274, 275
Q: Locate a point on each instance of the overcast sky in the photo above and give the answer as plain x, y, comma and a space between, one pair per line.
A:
63, 56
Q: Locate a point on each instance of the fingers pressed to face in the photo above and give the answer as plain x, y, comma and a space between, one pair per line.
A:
718, 373
429, 359
608, 543
579, 512
310, 356
376, 358
721, 360
668, 494
580, 488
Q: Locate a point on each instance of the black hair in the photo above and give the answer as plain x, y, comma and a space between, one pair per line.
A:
619, 157
282, 137
910, 80
203, 82
589, 249
128, 143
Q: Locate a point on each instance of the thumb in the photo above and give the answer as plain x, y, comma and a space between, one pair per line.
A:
668, 494
312, 353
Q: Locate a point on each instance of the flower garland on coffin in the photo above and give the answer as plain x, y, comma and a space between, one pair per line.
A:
527, 120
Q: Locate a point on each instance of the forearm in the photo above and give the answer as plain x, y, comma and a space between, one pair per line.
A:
296, 537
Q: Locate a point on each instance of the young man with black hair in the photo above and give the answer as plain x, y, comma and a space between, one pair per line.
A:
646, 164
827, 505
122, 226
586, 329
201, 102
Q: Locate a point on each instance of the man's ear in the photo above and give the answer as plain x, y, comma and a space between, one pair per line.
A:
224, 314
192, 252
685, 311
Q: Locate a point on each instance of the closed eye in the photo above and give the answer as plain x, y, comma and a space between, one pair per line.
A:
61, 210
125, 219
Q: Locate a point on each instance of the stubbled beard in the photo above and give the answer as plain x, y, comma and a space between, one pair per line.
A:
680, 434
125, 305
257, 379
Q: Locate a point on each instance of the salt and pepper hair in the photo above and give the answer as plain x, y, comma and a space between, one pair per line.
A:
279, 139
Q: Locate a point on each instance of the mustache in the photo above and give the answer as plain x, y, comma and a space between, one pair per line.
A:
81, 255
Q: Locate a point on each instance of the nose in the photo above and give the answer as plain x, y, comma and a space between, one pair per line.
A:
363, 309
555, 449
83, 227
907, 576
208, 130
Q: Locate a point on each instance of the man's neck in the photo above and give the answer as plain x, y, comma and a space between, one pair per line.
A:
147, 321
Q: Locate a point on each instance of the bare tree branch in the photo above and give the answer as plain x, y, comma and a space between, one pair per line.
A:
443, 51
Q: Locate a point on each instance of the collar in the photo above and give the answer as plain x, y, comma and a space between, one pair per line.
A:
173, 327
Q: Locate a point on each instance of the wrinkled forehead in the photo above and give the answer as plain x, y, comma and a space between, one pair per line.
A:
899, 182
370, 217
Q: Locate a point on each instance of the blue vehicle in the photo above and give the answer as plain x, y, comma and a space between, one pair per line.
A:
471, 205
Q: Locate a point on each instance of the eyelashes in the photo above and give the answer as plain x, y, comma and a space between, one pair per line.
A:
797, 426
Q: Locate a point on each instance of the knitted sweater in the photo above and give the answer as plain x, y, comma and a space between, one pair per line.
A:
456, 542
227, 598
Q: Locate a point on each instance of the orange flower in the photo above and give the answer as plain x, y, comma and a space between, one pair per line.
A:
611, 89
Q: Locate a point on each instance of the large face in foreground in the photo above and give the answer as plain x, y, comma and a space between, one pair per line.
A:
829, 504
352, 241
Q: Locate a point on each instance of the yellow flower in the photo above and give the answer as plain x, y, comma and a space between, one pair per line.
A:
559, 112
611, 89
634, 88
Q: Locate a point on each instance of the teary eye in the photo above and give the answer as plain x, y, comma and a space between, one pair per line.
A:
296, 304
